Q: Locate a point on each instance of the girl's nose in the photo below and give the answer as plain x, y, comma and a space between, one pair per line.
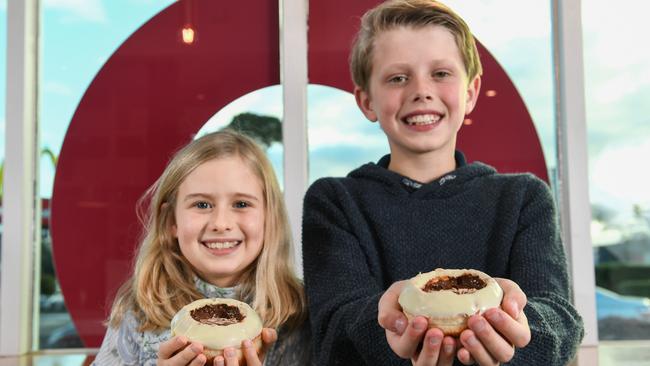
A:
221, 221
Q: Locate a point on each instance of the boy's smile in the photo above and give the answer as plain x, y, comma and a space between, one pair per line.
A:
418, 91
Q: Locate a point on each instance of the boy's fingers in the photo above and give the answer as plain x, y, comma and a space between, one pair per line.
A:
407, 344
476, 349
497, 347
168, 348
389, 314
514, 299
464, 356
516, 332
431, 349
447, 352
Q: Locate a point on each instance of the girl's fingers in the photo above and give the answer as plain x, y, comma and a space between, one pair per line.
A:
171, 346
250, 354
230, 356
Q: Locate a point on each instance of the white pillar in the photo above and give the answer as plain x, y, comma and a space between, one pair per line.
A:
293, 65
573, 163
19, 213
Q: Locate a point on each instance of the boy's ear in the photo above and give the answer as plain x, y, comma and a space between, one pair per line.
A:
473, 90
363, 101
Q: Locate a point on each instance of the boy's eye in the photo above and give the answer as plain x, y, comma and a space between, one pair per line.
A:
397, 79
241, 204
202, 205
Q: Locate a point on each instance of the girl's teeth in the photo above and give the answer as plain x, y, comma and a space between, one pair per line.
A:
222, 245
422, 119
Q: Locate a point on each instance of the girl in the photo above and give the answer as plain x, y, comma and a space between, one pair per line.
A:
216, 226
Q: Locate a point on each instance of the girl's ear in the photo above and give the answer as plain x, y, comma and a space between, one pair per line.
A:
363, 101
172, 229
473, 90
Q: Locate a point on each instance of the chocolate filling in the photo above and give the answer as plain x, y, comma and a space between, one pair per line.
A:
464, 284
217, 314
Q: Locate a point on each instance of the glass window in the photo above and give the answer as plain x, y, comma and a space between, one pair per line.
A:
617, 88
77, 39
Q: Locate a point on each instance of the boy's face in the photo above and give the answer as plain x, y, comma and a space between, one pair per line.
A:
418, 90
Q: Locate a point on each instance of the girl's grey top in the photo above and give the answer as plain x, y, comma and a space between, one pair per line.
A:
126, 345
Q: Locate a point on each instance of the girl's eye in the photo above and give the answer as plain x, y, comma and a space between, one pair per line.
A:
241, 204
202, 205
441, 74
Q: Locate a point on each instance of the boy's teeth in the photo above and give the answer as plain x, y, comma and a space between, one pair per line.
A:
222, 245
422, 119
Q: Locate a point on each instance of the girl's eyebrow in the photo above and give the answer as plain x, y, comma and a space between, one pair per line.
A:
192, 196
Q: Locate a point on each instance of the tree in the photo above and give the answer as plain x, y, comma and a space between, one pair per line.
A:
264, 129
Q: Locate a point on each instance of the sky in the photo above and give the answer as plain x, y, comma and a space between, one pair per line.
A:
617, 85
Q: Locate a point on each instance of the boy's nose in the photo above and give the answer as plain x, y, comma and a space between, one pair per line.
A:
421, 90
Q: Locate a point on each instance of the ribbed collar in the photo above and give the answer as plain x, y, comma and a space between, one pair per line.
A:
446, 185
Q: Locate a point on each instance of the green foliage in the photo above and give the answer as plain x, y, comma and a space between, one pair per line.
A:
264, 129
625, 279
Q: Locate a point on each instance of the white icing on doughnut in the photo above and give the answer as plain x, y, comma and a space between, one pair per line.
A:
447, 303
214, 336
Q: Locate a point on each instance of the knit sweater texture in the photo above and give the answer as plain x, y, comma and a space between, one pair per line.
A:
363, 232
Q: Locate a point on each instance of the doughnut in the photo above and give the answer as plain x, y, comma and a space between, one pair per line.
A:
448, 297
217, 324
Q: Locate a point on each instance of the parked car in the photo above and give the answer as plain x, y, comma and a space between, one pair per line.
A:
610, 304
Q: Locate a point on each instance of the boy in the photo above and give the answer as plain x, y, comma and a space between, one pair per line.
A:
417, 72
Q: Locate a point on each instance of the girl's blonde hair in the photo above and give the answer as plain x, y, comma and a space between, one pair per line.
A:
163, 280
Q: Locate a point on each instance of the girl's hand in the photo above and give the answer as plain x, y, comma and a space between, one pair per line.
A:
178, 351
251, 358
493, 336
404, 338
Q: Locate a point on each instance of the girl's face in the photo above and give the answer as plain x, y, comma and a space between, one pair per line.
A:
219, 219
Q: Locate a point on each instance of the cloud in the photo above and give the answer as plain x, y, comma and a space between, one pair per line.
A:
87, 10
616, 178
57, 88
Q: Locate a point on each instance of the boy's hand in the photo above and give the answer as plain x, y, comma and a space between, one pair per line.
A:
251, 358
405, 338
493, 336
178, 351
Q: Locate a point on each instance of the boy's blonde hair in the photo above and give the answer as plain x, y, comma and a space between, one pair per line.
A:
409, 13
163, 280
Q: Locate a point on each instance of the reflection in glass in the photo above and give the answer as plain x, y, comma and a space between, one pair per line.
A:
617, 88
